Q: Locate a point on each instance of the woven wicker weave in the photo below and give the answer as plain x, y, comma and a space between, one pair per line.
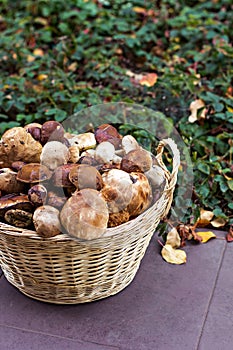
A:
68, 271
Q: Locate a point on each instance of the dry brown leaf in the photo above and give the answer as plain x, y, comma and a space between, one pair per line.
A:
218, 222
206, 236
205, 217
149, 80
229, 236
173, 256
194, 107
173, 238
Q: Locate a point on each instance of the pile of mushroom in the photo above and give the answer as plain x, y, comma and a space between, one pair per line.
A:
53, 181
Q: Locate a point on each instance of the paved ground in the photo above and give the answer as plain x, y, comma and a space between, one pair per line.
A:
166, 307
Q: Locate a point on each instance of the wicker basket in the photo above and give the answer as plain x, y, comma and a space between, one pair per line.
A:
63, 270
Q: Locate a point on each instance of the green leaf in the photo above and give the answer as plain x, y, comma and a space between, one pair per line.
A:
230, 184
204, 168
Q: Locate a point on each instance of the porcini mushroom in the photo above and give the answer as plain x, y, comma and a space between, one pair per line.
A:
83, 141
37, 194
33, 173
86, 176
85, 214
129, 143
105, 152
137, 160
9, 182
109, 133
35, 130
46, 221
52, 131
18, 218
141, 194
12, 201
54, 153
17, 144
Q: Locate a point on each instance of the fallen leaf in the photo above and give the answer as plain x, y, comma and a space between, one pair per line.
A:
205, 217
149, 80
173, 238
195, 107
41, 77
173, 256
141, 10
218, 222
38, 52
31, 58
229, 236
206, 236
72, 67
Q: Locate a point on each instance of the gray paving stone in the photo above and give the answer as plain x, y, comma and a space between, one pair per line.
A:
217, 332
164, 308
17, 339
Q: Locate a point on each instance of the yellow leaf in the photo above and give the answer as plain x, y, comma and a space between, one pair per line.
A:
230, 109
149, 80
194, 107
173, 256
206, 236
41, 20
205, 217
218, 222
31, 58
42, 77
73, 66
38, 52
141, 10
173, 238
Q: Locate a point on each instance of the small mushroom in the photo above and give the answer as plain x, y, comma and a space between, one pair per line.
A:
12, 201
9, 182
35, 130
138, 160
85, 214
17, 144
141, 194
55, 200
37, 194
46, 221
54, 153
117, 190
33, 173
74, 154
16, 166
129, 143
156, 176
88, 160
105, 152
109, 133
51, 131
60, 176
18, 218
86, 176
83, 141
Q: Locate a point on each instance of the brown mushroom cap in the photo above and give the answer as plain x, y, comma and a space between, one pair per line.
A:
12, 201
46, 221
18, 144
55, 200
141, 194
33, 173
85, 214
35, 130
60, 176
52, 131
37, 194
8, 181
136, 160
107, 132
86, 176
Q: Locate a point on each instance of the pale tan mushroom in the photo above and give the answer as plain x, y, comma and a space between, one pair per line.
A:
129, 143
83, 141
54, 153
104, 152
46, 221
17, 144
85, 214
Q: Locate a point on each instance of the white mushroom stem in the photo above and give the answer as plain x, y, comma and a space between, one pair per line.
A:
129, 143
105, 152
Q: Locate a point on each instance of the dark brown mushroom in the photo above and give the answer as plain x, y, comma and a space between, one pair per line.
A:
52, 131
107, 132
60, 176
37, 194
56, 201
18, 218
136, 160
33, 173
35, 130
13, 201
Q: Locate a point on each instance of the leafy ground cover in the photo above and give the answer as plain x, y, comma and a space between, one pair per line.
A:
58, 57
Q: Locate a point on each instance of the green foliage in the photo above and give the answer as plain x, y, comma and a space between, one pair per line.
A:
58, 57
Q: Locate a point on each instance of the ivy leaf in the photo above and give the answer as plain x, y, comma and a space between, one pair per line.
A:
204, 168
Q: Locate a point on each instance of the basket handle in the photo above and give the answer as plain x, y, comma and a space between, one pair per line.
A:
171, 177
